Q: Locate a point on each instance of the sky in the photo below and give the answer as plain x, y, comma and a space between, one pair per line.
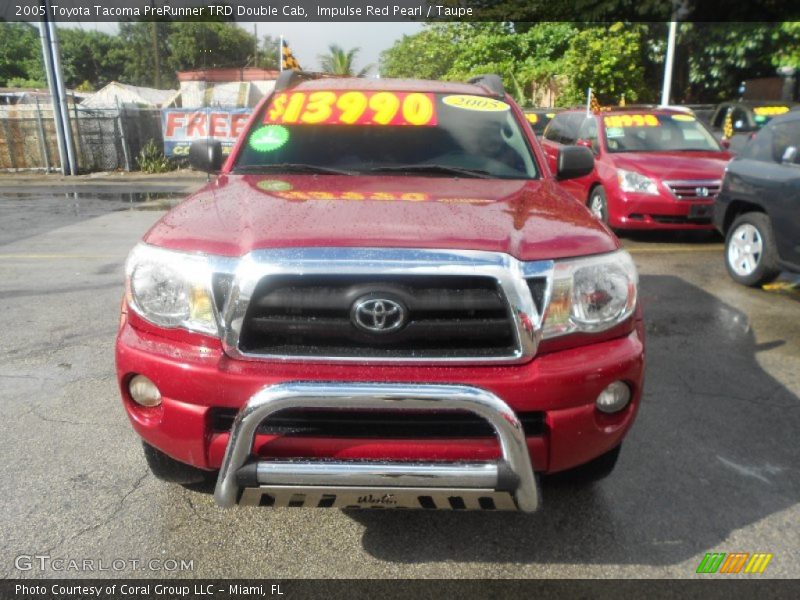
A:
308, 40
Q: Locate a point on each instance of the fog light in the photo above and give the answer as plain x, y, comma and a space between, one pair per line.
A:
614, 398
144, 391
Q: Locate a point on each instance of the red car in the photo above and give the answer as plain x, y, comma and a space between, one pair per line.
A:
654, 168
384, 300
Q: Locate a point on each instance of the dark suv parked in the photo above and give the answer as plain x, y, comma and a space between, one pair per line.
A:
758, 209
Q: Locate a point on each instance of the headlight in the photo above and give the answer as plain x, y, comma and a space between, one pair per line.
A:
591, 294
171, 289
631, 181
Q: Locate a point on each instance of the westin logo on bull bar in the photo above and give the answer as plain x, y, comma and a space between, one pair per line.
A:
388, 499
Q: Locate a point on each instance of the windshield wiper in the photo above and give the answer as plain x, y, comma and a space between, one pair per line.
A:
444, 169
290, 168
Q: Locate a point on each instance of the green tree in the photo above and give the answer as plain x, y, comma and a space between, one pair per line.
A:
610, 60
427, 54
20, 56
526, 60
140, 54
182, 45
269, 53
489, 48
90, 58
201, 45
341, 62
787, 42
528, 56
717, 57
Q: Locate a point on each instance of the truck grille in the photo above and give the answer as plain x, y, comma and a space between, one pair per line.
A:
373, 424
694, 189
314, 316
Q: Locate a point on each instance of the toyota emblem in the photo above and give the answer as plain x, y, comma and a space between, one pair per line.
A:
378, 315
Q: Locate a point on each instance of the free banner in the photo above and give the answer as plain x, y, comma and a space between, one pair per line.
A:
182, 126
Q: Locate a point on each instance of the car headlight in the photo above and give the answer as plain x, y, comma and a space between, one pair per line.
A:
631, 181
591, 294
171, 289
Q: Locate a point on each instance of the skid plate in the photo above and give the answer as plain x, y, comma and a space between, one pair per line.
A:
370, 497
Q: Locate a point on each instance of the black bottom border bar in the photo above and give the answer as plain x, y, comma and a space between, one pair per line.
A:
710, 587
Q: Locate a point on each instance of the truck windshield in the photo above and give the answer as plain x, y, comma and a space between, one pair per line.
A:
657, 133
387, 133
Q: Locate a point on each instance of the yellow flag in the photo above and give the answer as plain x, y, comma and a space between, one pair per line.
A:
289, 61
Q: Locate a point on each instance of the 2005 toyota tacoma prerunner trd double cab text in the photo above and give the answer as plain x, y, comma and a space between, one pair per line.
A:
385, 299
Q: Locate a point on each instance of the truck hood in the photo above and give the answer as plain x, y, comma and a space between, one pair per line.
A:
671, 166
530, 220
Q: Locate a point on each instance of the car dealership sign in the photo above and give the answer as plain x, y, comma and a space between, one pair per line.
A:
181, 127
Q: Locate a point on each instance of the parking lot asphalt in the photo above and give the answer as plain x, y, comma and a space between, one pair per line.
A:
712, 463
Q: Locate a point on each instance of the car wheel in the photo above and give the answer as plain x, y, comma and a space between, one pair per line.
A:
750, 253
595, 470
598, 205
168, 469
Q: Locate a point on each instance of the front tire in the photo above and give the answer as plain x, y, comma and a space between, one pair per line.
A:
598, 204
751, 256
170, 470
588, 473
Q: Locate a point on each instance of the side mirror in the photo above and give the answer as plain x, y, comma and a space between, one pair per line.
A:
789, 155
574, 161
725, 143
206, 156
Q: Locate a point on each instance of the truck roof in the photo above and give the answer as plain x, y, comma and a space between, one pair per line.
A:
392, 85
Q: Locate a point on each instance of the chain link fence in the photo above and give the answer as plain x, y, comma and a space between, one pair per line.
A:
105, 139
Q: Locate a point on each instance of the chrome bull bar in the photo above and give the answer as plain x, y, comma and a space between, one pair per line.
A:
508, 483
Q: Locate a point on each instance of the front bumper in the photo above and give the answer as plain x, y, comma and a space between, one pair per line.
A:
663, 211
195, 379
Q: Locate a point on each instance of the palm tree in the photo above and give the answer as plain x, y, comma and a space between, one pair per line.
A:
339, 62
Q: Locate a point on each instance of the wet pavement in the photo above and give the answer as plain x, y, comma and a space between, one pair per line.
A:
712, 463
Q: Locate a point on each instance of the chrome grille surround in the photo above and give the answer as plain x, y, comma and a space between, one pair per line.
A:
510, 274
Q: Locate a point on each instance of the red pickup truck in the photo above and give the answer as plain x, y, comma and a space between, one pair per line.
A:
383, 300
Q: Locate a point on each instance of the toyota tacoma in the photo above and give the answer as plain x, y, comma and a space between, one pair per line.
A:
384, 299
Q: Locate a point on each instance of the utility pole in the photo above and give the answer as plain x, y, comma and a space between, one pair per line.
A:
666, 91
55, 82
154, 35
680, 10
255, 53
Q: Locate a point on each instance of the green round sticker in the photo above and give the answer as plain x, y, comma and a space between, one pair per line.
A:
274, 185
269, 138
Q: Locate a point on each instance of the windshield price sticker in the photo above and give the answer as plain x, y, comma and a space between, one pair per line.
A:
352, 108
686, 118
532, 118
478, 103
631, 120
770, 111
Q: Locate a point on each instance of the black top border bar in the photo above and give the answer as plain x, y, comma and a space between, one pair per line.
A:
587, 11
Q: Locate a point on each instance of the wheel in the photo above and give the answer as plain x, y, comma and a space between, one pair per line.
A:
168, 469
598, 204
595, 470
750, 253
